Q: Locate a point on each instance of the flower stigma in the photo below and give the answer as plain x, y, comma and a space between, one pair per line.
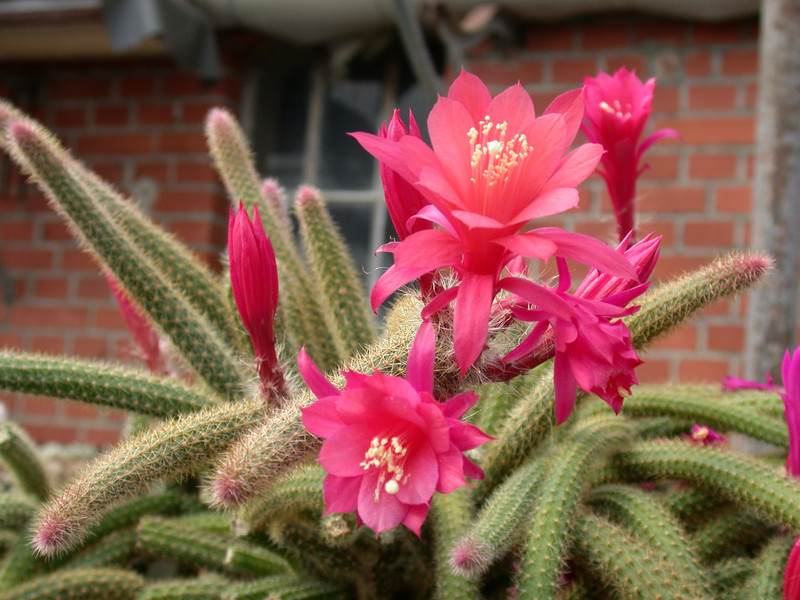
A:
388, 455
493, 159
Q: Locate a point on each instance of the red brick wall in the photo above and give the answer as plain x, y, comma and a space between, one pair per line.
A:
134, 120
140, 125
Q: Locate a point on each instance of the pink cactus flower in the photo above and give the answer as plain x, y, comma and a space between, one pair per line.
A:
592, 345
142, 331
494, 166
388, 444
731, 384
617, 110
254, 280
704, 436
790, 371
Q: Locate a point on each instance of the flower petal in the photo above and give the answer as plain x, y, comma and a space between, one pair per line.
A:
419, 368
313, 377
340, 493
471, 320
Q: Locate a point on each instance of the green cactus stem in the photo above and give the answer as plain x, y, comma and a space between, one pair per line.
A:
19, 455
451, 515
283, 588
20, 564
728, 577
731, 533
628, 563
172, 258
738, 478
662, 427
233, 160
191, 332
335, 272
175, 448
652, 523
80, 584
692, 505
115, 548
207, 587
769, 565
499, 521
98, 383
206, 549
553, 517
700, 406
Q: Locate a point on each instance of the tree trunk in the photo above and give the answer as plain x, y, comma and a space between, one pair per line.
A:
772, 315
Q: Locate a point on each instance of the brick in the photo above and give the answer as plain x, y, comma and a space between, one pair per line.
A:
666, 99
203, 172
180, 201
57, 231
52, 433
63, 317
182, 142
712, 166
654, 370
662, 31
750, 96
682, 338
666, 229
726, 337
716, 309
697, 64
661, 166
181, 84
35, 405
137, 86
712, 97
604, 36
102, 438
78, 260
702, 370
631, 62
9, 340
16, 230
550, 37
28, 259
193, 232
80, 410
111, 115
51, 288
93, 288
669, 267
117, 144
91, 347
47, 344
108, 171
725, 32
740, 62
573, 70
506, 73
109, 318
716, 233
673, 199
734, 199
158, 171
712, 130
69, 117
79, 89
155, 114
196, 112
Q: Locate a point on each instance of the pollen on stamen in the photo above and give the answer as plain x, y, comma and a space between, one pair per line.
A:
391, 487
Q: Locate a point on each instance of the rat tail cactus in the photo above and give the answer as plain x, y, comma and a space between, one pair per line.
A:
479, 443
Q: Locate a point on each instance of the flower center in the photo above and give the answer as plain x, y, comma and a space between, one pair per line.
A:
617, 110
700, 434
388, 455
494, 156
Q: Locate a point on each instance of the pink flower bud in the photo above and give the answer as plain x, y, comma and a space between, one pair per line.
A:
254, 280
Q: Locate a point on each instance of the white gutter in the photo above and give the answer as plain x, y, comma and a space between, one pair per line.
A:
314, 21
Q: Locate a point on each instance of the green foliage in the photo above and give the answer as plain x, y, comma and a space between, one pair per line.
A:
621, 506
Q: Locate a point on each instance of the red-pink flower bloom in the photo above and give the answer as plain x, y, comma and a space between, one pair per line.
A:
791, 576
592, 345
731, 384
142, 331
790, 371
388, 444
254, 281
493, 168
704, 436
617, 109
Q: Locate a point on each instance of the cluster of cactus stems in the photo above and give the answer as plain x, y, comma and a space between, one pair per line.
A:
216, 493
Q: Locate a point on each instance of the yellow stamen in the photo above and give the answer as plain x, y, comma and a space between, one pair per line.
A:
493, 159
388, 455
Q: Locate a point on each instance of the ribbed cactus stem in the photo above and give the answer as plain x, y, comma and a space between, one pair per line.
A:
499, 521
730, 575
98, 383
699, 405
170, 450
207, 587
335, 271
15, 511
692, 505
79, 584
627, 563
233, 160
767, 580
553, 517
741, 479
175, 260
113, 549
653, 524
283, 588
18, 454
662, 427
191, 332
727, 535
666, 306
452, 515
